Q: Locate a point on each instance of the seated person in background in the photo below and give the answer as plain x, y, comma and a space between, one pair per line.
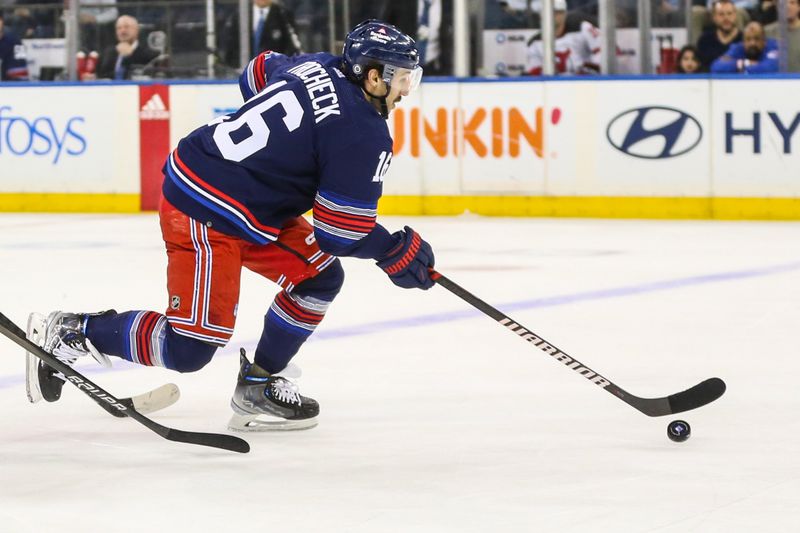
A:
714, 42
577, 46
764, 12
116, 61
793, 46
37, 21
755, 55
96, 18
13, 63
689, 61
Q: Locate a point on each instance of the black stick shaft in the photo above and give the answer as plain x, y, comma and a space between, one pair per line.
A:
661, 405
114, 405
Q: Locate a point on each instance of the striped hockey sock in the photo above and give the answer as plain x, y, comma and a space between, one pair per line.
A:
291, 319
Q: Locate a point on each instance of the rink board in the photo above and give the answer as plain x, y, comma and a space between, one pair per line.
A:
641, 148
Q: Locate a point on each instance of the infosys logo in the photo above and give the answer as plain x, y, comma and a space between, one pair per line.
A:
655, 132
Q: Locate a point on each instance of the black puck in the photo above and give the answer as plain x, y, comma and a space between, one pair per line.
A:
678, 431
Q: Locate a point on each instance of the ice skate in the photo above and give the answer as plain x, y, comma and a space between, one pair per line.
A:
269, 403
62, 335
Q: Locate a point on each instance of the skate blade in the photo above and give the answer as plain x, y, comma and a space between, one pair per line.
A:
252, 423
35, 334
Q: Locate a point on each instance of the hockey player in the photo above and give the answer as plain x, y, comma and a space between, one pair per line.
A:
310, 136
13, 63
577, 45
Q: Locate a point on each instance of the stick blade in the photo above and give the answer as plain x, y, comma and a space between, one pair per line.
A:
701, 394
213, 440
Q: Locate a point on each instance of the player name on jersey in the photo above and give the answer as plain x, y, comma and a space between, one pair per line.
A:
320, 89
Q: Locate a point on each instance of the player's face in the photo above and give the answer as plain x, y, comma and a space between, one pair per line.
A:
403, 82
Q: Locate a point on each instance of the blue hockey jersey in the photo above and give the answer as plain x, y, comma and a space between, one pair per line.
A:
13, 63
308, 141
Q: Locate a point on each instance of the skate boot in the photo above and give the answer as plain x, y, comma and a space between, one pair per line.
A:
62, 335
269, 403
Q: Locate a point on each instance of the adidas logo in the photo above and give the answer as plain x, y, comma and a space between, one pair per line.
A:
154, 109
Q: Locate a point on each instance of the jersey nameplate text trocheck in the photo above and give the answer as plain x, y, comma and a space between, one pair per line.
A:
320, 89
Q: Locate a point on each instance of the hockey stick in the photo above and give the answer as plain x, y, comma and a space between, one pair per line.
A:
151, 401
697, 396
116, 406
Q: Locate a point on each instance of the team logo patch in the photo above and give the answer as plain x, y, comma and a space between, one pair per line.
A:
175, 302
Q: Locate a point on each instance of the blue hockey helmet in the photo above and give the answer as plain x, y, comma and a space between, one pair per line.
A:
376, 44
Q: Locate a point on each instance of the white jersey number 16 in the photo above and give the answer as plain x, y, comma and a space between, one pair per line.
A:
259, 131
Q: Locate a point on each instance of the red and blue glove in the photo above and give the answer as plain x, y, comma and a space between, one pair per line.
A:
407, 262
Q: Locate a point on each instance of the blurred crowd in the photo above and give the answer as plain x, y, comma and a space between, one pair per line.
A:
167, 38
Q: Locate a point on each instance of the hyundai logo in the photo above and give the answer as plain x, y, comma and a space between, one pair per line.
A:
654, 132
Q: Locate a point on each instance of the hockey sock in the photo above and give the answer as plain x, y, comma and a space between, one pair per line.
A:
289, 322
134, 335
293, 317
145, 338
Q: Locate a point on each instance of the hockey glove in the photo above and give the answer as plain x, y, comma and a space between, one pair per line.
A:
408, 261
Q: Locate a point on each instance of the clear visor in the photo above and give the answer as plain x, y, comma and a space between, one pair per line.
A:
404, 80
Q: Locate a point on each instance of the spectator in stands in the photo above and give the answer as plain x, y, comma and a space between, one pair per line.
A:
765, 12
13, 63
793, 46
754, 55
430, 22
689, 61
713, 43
38, 21
272, 28
97, 23
116, 61
577, 45
506, 14
366, 9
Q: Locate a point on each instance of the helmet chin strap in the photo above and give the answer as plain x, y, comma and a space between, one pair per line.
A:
384, 110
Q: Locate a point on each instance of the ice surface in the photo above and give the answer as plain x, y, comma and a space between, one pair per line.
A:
434, 418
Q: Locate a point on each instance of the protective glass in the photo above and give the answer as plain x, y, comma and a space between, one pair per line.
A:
405, 80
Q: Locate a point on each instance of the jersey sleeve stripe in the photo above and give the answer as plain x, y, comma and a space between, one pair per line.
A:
343, 218
260, 77
234, 211
251, 81
342, 236
343, 201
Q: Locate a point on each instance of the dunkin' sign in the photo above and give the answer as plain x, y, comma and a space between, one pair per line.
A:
487, 132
